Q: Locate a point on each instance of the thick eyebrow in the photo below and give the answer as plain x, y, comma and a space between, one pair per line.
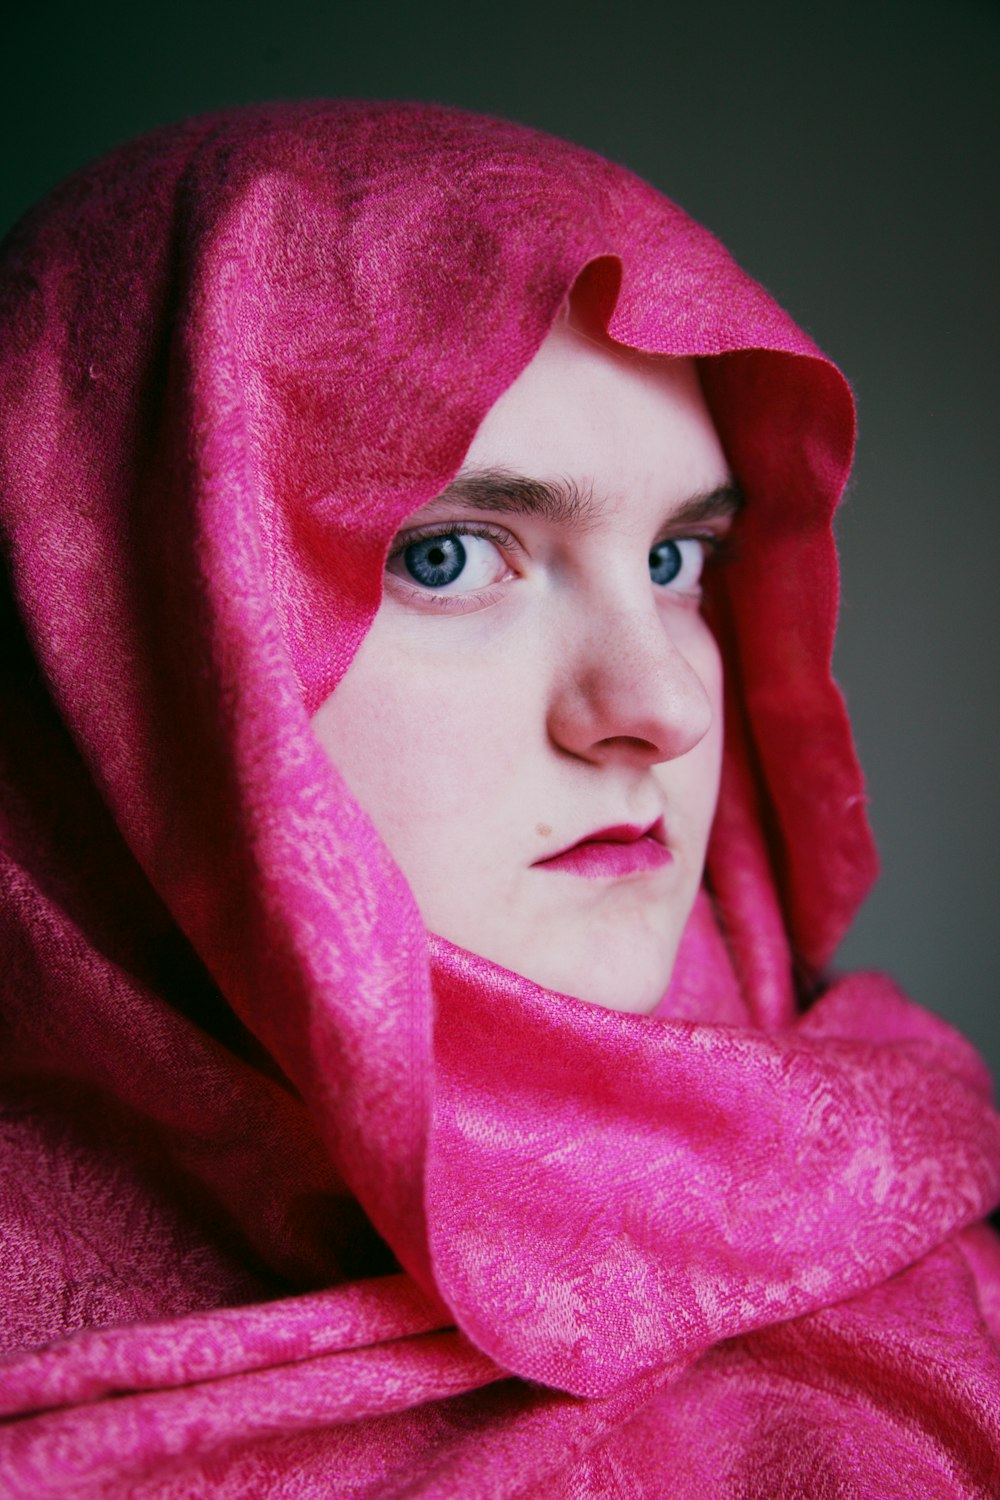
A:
561, 502
720, 504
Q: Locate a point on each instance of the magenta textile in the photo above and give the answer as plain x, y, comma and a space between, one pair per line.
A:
296, 1200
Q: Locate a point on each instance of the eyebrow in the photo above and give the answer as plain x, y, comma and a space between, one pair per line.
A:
562, 502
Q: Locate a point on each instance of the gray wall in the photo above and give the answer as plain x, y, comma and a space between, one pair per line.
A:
849, 159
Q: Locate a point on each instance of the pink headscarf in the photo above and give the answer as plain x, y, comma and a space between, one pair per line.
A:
299, 1201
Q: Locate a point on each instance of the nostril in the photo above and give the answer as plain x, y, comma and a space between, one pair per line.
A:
629, 742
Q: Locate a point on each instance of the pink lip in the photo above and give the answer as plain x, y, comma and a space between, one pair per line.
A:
625, 849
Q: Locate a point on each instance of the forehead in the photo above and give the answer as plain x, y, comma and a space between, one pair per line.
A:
608, 422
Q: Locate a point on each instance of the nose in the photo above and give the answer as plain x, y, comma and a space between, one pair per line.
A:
628, 693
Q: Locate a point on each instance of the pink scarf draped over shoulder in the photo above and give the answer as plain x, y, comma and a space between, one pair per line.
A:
296, 1200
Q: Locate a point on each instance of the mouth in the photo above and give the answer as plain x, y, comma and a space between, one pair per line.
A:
611, 853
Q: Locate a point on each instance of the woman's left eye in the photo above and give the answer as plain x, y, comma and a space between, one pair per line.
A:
453, 562
677, 563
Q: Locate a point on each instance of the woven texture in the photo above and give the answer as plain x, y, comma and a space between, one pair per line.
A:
296, 1199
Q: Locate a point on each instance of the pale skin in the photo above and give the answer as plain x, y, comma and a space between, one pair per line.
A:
554, 677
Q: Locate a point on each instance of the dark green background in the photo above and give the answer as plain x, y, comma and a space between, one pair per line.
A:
848, 156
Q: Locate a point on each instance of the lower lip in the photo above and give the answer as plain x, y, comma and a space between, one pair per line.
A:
602, 859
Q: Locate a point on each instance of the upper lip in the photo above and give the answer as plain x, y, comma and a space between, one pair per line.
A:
617, 833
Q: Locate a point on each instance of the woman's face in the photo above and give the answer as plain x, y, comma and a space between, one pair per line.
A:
534, 721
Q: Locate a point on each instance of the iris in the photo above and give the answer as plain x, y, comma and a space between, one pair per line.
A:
435, 561
664, 562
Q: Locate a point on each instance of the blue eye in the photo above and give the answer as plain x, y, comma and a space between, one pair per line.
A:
664, 562
450, 562
435, 561
677, 561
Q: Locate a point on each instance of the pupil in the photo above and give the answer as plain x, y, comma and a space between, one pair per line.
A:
664, 562
435, 561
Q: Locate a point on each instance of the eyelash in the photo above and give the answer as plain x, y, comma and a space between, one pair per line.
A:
458, 528
718, 549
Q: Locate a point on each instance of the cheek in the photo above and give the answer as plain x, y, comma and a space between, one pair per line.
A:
711, 774
700, 770
423, 741
710, 673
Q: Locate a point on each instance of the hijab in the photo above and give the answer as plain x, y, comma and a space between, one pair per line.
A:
298, 1198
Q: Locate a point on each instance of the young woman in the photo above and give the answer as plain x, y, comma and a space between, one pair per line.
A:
427, 817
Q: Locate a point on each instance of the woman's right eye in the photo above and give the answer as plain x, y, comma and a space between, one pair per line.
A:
454, 562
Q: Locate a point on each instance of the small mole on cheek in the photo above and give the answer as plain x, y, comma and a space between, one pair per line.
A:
543, 830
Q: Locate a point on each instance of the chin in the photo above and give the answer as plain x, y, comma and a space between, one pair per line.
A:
639, 1000
625, 986
629, 973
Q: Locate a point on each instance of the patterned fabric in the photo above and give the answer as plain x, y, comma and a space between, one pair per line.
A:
297, 1200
